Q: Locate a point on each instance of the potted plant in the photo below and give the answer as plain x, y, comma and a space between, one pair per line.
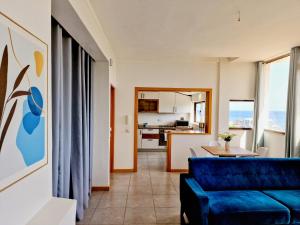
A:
227, 137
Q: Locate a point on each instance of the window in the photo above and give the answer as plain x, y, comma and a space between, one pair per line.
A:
199, 109
241, 114
277, 75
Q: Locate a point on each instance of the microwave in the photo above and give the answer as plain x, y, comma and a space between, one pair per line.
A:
182, 123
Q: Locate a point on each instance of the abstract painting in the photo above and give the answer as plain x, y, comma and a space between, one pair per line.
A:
23, 102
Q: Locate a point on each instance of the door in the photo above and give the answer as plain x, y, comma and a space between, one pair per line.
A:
112, 127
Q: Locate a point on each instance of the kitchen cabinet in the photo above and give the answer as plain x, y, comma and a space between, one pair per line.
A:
148, 138
150, 143
183, 103
166, 102
148, 95
148, 105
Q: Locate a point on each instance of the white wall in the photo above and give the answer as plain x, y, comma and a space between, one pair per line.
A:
168, 74
101, 89
237, 81
152, 74
22, 200
161, 119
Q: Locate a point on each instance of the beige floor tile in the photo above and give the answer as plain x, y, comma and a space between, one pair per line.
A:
97, 194
140, 216
164, 189
119, 189
93, 202
161, 181
140, 180
136, 201
109, 201
108, 216
167, 215
88, 214
140, 190
166, 201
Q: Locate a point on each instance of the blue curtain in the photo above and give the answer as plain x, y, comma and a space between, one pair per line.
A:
72, 119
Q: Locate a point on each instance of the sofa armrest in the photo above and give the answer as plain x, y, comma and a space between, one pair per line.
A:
194, 201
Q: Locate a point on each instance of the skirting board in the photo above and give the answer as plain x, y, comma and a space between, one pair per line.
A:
123, 171
100, 188
179, 171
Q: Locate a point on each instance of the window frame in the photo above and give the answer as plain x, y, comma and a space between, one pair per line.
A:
195, 112
240, 100
280, 58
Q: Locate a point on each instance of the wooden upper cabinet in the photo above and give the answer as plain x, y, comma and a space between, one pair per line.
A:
148, 105
166, 102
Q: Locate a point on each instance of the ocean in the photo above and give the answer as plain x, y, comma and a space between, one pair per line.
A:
245, 119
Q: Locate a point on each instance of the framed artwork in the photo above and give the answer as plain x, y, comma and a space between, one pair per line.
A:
23, 102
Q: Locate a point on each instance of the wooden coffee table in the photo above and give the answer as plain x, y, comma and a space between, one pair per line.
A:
232, 152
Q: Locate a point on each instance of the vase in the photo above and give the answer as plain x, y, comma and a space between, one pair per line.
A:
227, 145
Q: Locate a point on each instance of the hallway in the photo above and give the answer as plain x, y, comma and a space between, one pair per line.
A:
150, 196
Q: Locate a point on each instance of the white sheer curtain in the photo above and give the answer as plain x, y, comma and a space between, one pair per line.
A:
258, 128
292, 142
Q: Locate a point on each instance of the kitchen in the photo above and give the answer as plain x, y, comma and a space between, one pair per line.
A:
164, 111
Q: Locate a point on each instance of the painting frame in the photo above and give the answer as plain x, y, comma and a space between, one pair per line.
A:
16, 178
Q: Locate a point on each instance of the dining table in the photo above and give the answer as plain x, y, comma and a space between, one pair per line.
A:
220, 151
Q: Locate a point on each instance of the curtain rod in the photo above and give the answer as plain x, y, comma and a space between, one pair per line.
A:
277, 58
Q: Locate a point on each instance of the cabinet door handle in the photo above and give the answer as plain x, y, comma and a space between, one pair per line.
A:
150, 139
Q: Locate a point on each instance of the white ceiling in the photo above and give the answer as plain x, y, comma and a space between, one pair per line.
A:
199, 29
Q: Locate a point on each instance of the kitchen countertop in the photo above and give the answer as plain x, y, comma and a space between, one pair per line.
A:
192, 132
156, 127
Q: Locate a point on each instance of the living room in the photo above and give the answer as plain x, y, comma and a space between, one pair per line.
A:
70, 77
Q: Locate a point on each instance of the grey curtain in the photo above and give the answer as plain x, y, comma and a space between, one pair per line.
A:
257, 120
292, 138
72, 119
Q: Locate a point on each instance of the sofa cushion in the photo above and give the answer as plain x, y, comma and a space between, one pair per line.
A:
289, 198
245, 208
218, 174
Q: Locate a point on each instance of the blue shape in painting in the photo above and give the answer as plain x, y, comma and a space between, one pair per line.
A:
30, 122
32, 146
31, 134
35, 101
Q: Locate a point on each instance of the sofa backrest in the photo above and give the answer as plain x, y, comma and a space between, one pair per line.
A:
245, 173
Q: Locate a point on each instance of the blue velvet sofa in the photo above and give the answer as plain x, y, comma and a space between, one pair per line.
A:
241, 191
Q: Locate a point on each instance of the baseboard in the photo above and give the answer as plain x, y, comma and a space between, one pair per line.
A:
100, 188
123, 170
179, 170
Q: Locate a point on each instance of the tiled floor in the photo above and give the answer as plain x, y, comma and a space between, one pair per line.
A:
150, 196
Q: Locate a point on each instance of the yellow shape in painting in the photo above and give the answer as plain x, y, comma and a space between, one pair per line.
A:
39, 61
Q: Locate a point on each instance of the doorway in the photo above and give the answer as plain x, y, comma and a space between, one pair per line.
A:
112, 126
159, 110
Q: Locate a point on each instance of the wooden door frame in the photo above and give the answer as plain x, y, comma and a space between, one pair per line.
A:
112, 126
208, 92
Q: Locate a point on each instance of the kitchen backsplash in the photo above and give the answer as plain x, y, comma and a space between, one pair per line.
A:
161, 119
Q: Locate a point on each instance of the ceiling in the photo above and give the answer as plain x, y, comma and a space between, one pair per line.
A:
199, 29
